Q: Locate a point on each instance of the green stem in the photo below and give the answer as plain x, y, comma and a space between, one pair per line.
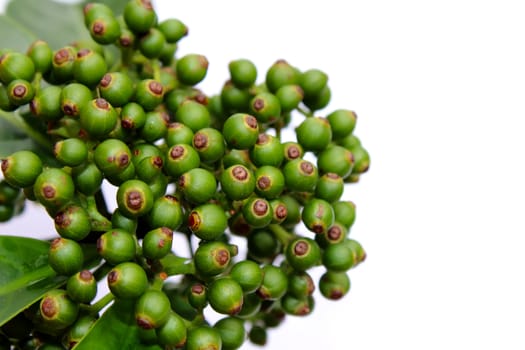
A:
281, 234
100, 304
99, 222
18, 122
176, 265
156, 70
304, 112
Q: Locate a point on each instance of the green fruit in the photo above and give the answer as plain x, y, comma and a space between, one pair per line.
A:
314, 134
312, 82
89, 67
112, 156
257, 212
173, 332
209, 144
98, 118
208, 221
166, 212
21, 168
334, 285
73, 222
132, 114
46, 103
243, 72
262, 246
337, 160
248, 274
342, 122
20, 92
300, 285
279, 211
82, 287
139, 16
268, 150
58, 311
232, 332
54, 188
134, 198
279, 74
269, 182
233, 99
197, 185
152, 43
78, 330
319, 101
116, 246
62, 65
119, 220
71, 152
15, 65
104, 29
317, 215
41, 55
152, 309
335, 234
87, 178
225, 296
117, 89
173, 29
212, 258
237, 182
191, 69
198, 296
290, 96
178, 133
240, 131
127, 280
258, 335
73, 98
300, 175
274, 284
303, 253
149, 93
266, 107
297, 306
180, 159
329, 187
193, 114
157, 243
65, 256
344, 213
155, 126
338, 257
203, 338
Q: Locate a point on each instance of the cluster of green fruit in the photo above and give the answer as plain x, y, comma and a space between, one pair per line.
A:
208, 167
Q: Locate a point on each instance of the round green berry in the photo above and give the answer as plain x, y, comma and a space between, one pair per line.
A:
152, 43
300, 285
290, 96
225, 296
191, 69
268, 150
71, 152
149, 93
329, 187
73, 222
21, 168
269, 182
112, 156
257, 212
312, 82
243, 72
334, 285
338, 257
337, 160
54, 188
342, 122
15, 65
132, 115
173, 29
198, 296
155, 126
212, 258
279, 211
317, 215
344, 213
78, 330
209, 144
152, 309
157, 243
82, 287
335, 234
234, 99
197, 185
279, 74
127, 280
274, 284
300, 175
46, 103
116, 246
134, 198
166, 212
178, 133
73, 98
303, 253
104, 29
193, 114
139, 15
20, 92
180, 159
258, 335
62, 65
232, 332
89, 67
117, 89
208, 221
65, 256
58, 311
357, 250
98, 118
87, 178
237, 182
240, 131
248, 274
262, 246
203, 337
173, 332
41, 55
314, 134
319, 101
266, 107
237, 156
297, 306
120, 221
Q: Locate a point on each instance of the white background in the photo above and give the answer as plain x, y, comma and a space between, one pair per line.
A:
439, 89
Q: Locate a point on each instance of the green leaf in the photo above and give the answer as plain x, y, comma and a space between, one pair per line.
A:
116, 5
14, 35
116, 329
26, 275
57, 23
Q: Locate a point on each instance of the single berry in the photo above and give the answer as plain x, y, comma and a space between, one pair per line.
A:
73, 222
300, 175
139, 15
41, 55
157, 243
98, 118
268, 150
208, 221
71, 152
240, 131
317, 215
117, 88
257, 212
303, 253
65, 256
314, 134
237, 182
54, 188
127, 280
58, 311
89, 67
173, 333
73, 98
197, 185
232, 332
243, 72
21, 168
342, 122
116, 246
152, 309
134, 198
274, 284
225, 296
193, 114
269, 182
212, 258
82, 287
202, 338
149, 93
191, 69
248, 274
266, 107
209, 144
334, 285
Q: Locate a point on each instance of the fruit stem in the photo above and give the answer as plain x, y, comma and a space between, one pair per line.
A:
176, 265
95, 308
281, 234
305, 112
99, 222
18, 122
156, 70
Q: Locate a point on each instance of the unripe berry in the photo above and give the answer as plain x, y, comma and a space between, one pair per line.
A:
300, 285
20, 92
329, 187
268, 150
65, 256
197, 185
157, 243
104, 28
257, 212
225, 296
191, 69
198, 296
112, 156
312, 82
237, 182
71, 152
338, 257
173, 332
232, 332
134, 198
289, 97
262, 246
243, 72
87, 178
149, 93
279, 74
208, 221
212, 258
173, 29
314, 134
117, 89
297, 306
334, 285
155, 126
98, 118
337, 160
210, 145
152, 43
152, 309
342, 122
248, 274
116, 246
265, 107
303, 253
15, 65
127, 280
41, 55
73, 98
317, 215
58, 310
344, 213
89, 67
274, 284
180, 159
62, 65
269, 182
54, 188
73, 222
21, 168
139, 15
193, 114
178, 133
203, 337
82, 287
300, 175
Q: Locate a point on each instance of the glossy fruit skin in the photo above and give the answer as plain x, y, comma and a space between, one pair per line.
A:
237, 182
173, 29
203, 337
157, 243
82, 287
274, 284
257, 212
89, 67
62, 65
233, 99
300, 175
212, 258
343, 123
152, 43
58, 311
21, 168
225, 296
338, 257
198, 296
191, 69
116, 246
54, 188
20, 92
303, 253
336, 159
314, 134
116, 88
279, 74
266, 107
87, 178
197, 185
279, 211
344, 213
173, 332
232, 332
208, 221
178, 133
73, 98
166, 212
71, 152
243, 72
98, 118
134, 198
210, 145
300, 285
319, 101
290, 96
240, 131
317, 215
268, 150
104, 29
312, 82
180, 159
152, 309
139, 16
248, 274
193, 114
14, 65
112, 156
155, 126
65, 256
41, 55
335, 234
149, 94
127, 280
330, 187
269, 182
334, 285
297, 306
73, 222
46, 103
262, 246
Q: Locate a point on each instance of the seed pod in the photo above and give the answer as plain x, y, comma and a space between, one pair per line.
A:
127, 280
15, 65
300, 175
212, 258
149, 94
116, 246
180, 159
157, 243
71, 152
248, 274
58, 311
317, 215
334, 285
173, 332
73, 222
303, 253
240, 131
197, 185
82, 287
274, 284
134, 198
237, 182
232, 332
191, 69
21, 168
268, 150
65, 256
73, 98
54, 188
117, 89
98, 118
225, 296
314, 134
207, 221
152, 309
